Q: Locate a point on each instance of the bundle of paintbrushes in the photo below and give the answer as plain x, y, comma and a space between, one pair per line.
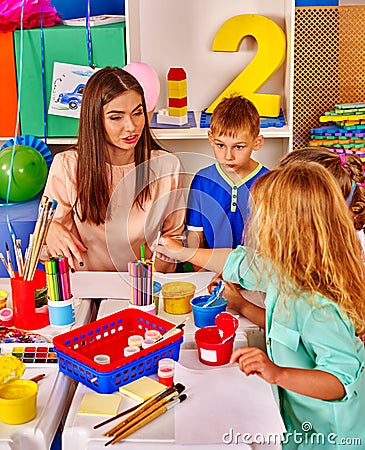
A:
27, 265
141, 275
144, 413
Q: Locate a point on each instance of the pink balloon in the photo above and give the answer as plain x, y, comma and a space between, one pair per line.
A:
148, 79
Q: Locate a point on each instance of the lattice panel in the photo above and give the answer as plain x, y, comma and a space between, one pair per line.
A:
329, 64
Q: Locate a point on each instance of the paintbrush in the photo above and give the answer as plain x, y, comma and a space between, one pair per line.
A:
178, 388
123, 427
38, 377
173, 331
157, 242
10, 265
158, 412
5, 263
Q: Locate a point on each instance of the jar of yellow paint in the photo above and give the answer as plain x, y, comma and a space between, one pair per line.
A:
176, 297
18, 401
3, 298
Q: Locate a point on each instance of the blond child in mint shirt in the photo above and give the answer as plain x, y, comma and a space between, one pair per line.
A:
308, 262
303, 252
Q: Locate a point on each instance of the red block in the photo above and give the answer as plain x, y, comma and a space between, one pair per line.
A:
176, 74
8, 89
178, 102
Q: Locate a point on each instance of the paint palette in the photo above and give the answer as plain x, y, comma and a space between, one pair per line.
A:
31, 353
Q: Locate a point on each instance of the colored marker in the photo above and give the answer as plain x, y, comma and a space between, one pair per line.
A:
64, 270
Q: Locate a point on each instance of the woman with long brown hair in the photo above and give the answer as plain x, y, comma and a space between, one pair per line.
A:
116, 187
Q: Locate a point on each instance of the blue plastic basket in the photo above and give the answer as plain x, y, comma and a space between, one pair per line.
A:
76, 350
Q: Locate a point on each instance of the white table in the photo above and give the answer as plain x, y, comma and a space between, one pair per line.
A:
79, 434
54, 395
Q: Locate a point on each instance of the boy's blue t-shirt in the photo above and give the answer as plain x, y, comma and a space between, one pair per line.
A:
219, 207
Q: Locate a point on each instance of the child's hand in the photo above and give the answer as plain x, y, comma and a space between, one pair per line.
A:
233, 295
171, 249
252, 360
60, 241
214, 282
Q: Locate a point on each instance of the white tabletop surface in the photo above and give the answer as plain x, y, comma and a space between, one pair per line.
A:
54, 395
79, 433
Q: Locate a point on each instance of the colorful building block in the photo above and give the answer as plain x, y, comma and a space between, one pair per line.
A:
190, 124
265, 122
177, 112
163, 117
178, 102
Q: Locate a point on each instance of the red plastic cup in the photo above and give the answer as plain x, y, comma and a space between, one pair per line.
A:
166, 370
26, 315
211, 350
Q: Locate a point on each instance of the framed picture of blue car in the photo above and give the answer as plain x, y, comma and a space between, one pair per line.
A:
68, 85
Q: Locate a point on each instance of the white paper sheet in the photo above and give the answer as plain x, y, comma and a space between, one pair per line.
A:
223, 399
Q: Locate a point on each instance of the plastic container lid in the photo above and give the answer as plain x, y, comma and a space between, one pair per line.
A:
131, 350
152, 335
136, 340
156, 287
11, 369
178, 289
102, 359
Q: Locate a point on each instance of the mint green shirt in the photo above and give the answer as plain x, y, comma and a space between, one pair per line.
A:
316, 336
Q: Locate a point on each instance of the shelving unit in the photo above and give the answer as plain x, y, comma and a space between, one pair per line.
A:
166, 33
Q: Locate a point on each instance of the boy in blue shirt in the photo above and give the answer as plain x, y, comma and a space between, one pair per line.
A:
218, 197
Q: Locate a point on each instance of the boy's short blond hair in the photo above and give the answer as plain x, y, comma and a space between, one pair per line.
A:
234, 115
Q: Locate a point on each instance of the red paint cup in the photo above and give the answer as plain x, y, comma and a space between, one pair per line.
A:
6, 317
212, 351
166, 370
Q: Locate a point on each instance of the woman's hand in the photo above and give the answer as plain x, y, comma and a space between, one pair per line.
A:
60, 241
253, 361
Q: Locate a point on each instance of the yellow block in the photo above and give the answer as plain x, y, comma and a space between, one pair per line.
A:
354, 117
177, 93
142, 389
99, 404
178, 85
178, 111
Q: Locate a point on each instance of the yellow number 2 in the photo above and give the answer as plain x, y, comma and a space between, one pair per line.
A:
269, 57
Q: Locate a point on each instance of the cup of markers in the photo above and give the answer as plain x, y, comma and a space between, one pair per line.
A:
60, 300
142, 286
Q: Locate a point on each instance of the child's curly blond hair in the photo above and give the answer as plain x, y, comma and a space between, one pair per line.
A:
300, 222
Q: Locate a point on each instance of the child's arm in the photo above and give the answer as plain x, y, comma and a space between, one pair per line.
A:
195, 239
312, 383
210, 259
237, 302
240, 304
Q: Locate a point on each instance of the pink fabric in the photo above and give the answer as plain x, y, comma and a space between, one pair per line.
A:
10, 13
